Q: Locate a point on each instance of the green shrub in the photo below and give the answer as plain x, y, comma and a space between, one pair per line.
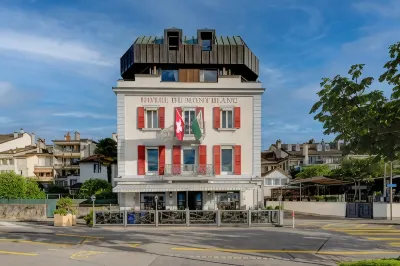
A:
278, 207
64, 206
269, 208
13, 186
382, 262
62, 212
319, 198
89, 219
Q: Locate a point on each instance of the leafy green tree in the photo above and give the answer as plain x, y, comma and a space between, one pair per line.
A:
314, 170
108, 148
368, 122
55, 189
13, 186
93, 186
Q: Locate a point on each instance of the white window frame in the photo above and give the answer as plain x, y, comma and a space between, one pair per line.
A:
147, 159
151, 109
196, 158
188, 136
227, 109
233, 160
273, 181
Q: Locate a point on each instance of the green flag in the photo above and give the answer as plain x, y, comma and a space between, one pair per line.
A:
197, 126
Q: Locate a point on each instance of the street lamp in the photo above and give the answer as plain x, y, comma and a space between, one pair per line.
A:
93, 198
156, 199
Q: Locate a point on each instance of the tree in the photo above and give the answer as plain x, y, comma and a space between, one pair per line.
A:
93, 186
108, 148
313, 171
13, 186
364, 119
55, 189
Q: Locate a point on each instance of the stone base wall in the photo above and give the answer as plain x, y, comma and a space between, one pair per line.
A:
23, 212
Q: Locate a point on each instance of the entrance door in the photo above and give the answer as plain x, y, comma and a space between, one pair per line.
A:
195, 200
359, 210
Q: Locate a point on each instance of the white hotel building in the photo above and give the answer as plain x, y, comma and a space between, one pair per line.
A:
171, 77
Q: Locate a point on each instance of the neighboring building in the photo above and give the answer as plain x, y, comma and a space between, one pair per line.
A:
274, 178
16, 140
67, 153
189, 123
94, 167
10, 162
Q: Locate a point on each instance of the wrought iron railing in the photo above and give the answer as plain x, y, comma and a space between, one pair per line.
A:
188, 169
187, 217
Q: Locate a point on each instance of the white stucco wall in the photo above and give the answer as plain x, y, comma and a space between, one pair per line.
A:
318, 208
382, 210
21, 142
86, 172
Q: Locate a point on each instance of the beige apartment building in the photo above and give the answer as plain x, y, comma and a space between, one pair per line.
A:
189, 123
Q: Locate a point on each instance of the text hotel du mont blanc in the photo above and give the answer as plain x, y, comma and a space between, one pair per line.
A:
212, 100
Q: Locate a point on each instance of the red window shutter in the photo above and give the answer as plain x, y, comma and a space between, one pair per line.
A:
217, 115
176, 159
236, 113
217, 159
238, 160
140, 117
179, 109
161, 117
202, 159
161, 160
141, 160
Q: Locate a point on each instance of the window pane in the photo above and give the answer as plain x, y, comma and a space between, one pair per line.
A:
223, 119
206, 45
152, 160
210, 75
149, 121
169, 75
230, 119
155, 119
187, 124
226, 160
277, 182
189, 156
269, 182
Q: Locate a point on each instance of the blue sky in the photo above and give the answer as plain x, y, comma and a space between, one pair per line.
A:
60, 59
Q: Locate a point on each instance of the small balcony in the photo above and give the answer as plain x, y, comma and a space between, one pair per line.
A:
66, 166
183, 171
67, 153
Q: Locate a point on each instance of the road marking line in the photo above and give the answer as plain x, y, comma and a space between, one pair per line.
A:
367, 231
84, 254
361, 225
17, 253
289, 251
33, 242
360, 229
382, 238
93, 237
134, 245
374, 234
395, 244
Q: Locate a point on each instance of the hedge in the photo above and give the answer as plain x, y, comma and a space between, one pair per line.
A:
382, 262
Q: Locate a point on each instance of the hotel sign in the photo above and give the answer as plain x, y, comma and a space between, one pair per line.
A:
206, 100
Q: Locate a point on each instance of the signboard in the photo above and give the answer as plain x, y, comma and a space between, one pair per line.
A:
200, 99
359, 187
391, 185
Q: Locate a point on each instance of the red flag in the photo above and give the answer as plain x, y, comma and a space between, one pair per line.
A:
179, 125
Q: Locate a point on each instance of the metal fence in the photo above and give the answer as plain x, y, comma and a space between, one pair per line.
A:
188, 218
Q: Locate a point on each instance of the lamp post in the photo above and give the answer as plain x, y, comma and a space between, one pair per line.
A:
156, 199
93, 198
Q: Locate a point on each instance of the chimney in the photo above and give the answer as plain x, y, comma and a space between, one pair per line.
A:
297, 147
289, 147
33, 139
15, 134
21, 131
67, 137
77, 135
305, 153
279, 144
323, 144
338, 145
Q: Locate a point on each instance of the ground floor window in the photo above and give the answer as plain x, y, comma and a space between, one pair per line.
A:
148, 202
228, 200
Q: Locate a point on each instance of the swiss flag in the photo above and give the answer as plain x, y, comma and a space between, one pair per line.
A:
179, 125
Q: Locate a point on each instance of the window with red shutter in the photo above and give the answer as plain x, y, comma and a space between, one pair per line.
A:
202, 159
236, 113
217, 159
176, 160
238, 160
161, 117
217, 115
161, 160
141, 160
140, 117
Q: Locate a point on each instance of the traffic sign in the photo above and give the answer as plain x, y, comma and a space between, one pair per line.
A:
391, 185
359, 187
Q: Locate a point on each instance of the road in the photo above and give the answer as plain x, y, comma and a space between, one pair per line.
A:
312, 242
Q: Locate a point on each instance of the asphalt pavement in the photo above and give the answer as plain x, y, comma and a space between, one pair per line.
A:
311, 242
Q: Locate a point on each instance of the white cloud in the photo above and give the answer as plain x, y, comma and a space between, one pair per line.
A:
84, 115
55, 48
388, 9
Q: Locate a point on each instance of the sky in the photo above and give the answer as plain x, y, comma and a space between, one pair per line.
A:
60, 59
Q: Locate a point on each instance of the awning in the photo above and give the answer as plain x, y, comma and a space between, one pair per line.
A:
182, 187
320, 181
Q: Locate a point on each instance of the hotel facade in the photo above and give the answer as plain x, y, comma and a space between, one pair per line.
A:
189, 124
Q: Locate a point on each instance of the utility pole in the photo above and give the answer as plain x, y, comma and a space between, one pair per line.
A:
384, 184
391, 191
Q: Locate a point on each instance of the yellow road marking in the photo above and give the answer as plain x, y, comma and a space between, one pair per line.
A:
84, 254
17, 253
134, 245
360, 229
382, 238
374, 234
93, 237
33, 242
289, 251
367, 231
395, 244
361, 225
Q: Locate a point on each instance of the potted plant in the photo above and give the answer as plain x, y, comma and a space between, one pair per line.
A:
64, 215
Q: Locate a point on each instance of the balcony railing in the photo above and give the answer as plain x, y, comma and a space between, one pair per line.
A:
188, 170
63, 152
66, 166
43, 166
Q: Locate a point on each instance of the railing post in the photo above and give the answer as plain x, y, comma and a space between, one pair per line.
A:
218, 218
156, 218
280, 221
125, 217
187, 217
249, 218
270, 217
94, 218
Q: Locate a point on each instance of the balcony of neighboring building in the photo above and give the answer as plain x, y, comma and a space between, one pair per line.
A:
43, 173
66, 165
67, 152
